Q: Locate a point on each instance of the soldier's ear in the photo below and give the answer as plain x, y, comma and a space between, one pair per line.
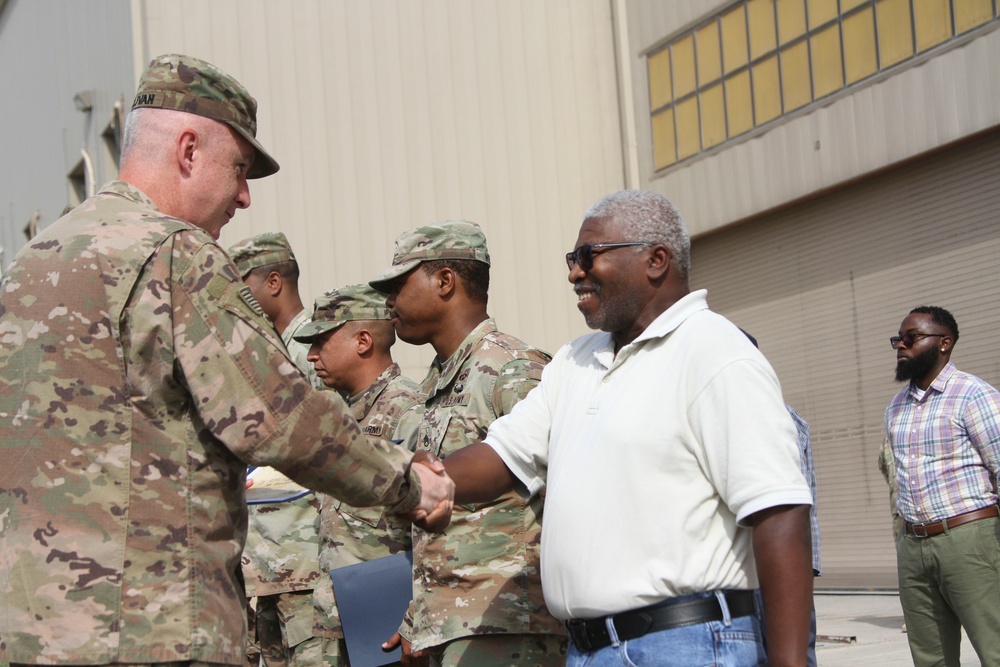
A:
364, 341
187, 142
446, 281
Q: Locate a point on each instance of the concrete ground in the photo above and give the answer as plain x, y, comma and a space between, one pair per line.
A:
854, 630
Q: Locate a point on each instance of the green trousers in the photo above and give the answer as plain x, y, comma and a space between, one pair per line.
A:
949, 582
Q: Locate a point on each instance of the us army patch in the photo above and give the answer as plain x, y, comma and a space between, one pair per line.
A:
450, 401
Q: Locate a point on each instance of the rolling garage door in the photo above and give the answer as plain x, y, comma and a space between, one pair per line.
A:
823, 284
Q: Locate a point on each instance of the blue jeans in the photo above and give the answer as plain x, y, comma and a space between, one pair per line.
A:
731, 642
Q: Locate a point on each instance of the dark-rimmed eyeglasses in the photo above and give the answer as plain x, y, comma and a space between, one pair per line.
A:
584, 255
909, 339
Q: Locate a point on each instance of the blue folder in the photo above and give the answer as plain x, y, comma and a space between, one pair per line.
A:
372, 598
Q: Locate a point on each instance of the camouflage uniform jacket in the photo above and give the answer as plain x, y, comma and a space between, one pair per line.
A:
282, 538
482, 575
136, 377
299, 351
389, 408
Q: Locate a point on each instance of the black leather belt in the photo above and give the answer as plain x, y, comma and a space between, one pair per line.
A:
592, 633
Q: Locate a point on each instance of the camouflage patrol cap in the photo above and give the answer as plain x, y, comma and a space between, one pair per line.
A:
345, 304
183, 83
452, 239
261, 250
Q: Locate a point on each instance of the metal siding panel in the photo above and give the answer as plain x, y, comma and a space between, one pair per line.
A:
822, 285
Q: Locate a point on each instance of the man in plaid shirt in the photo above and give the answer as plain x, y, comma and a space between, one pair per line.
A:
944, 431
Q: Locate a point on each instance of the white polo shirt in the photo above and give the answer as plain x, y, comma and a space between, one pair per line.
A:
650, 461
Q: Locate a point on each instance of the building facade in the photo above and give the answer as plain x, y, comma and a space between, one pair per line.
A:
837, 162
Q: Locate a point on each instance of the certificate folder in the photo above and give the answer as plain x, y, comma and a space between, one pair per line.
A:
372, 598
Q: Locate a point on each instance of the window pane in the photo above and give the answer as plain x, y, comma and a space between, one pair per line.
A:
766, 95
659, 79
795, 84
734, 39
791, 20
739, 111
895, 37
761, 21
709, 58
846, 5
683, 60
970, 13
821, 11
688, 131
664, 151
827, 70
859, 45
932, 21
713, 116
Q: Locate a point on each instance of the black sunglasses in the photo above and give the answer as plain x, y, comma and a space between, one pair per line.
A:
584, 255
909, 339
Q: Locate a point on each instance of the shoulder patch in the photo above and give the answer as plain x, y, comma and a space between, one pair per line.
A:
251, 300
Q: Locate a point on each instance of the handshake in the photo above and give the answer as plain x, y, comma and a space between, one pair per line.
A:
437, 493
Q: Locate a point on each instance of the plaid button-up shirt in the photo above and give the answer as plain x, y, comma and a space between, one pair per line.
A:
946, 446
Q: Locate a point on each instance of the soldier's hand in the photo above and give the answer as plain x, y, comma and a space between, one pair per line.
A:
408, 658
437, 493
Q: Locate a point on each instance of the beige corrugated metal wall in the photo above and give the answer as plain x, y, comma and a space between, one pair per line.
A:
388, 114
823, 284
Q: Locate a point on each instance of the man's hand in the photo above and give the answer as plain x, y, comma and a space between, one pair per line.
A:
437, 495
408, 658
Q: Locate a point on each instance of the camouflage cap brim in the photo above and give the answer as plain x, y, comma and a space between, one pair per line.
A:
309, 332
191, 85
263, 165
383, 281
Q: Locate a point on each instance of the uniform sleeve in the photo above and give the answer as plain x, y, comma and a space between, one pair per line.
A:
521, 438
248, 394
515, 379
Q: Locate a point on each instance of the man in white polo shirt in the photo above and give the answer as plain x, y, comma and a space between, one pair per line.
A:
670, 463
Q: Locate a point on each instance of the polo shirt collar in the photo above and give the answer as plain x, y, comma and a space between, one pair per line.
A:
664, 324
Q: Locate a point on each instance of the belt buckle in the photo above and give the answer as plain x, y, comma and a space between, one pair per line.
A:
916, 529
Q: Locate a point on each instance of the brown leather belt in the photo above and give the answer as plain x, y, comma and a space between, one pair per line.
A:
592, 634
936, 528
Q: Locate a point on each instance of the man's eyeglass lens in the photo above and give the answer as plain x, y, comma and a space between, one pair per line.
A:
909, 339
584, 255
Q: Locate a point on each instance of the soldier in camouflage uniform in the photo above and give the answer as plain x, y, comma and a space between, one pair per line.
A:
269, 268
137, 375
477, 587
351, 340
279, 560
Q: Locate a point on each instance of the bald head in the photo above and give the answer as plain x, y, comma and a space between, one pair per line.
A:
192, 167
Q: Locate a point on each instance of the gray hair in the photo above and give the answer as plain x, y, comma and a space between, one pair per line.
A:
149, 132
647, 216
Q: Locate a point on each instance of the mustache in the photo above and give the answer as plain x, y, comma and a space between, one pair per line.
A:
582, 286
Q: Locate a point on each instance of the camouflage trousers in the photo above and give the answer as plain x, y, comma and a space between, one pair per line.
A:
334, 652
502, 651
285, 630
